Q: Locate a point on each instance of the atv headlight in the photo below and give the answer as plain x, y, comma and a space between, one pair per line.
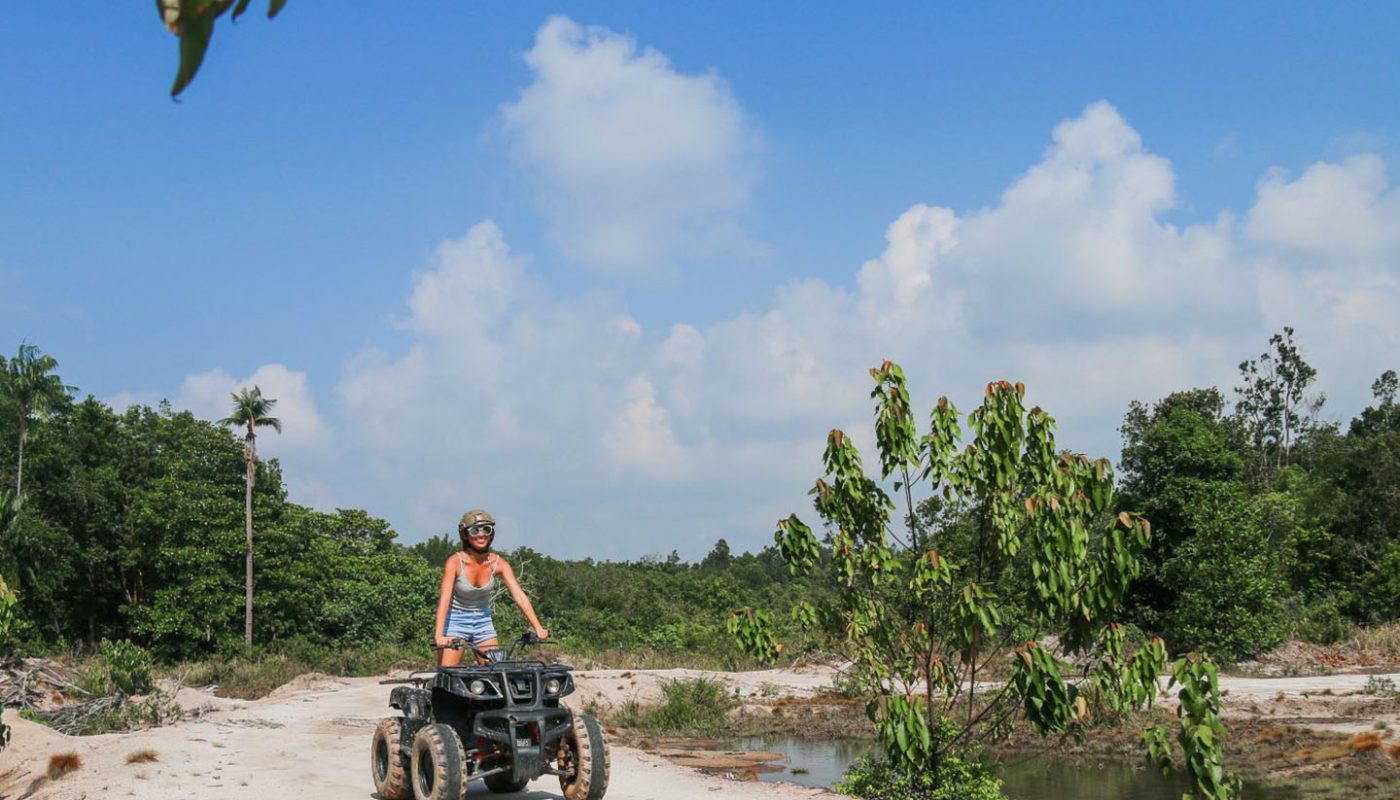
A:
477, 687
553, 685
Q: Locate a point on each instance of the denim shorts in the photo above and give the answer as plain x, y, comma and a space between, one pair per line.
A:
474, 626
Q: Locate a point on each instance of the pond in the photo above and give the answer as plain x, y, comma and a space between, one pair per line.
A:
1042, 777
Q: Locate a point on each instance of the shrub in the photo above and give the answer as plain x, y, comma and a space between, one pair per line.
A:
697, 706
1320, 622
952, 778
1381, 687
693, 706
119, 667
128, 665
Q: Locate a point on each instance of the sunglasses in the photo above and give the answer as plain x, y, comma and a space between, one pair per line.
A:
485, 529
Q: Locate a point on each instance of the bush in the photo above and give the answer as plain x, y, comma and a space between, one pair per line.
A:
694, 707
1320, 622
120, 667
128, 665
952, 779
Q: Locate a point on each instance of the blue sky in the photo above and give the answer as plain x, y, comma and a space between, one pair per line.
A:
613, 270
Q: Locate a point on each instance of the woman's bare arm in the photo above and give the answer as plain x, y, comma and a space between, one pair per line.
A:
518, 595
449, 574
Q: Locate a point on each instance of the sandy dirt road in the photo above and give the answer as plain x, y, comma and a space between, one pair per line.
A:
310, 741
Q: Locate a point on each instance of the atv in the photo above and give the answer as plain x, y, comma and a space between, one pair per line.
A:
499, 720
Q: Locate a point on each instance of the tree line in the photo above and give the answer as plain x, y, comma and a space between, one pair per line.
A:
136, 524
1267, 522
1271, 521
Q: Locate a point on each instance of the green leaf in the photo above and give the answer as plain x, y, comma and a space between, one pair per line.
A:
195, 32
275, 7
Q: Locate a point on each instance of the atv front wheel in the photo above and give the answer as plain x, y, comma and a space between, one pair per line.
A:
504, 783
439, 764
583, 758
387, 763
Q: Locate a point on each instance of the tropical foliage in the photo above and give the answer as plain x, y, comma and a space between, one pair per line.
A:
1011, 542
31, 391
250, 411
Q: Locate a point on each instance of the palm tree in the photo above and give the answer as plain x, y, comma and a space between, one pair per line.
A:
34, 391
250, 410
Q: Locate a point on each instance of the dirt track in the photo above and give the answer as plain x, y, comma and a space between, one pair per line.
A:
311, 738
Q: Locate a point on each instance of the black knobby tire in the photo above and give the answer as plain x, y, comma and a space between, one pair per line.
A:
504, 783
439, 767
584, 760
387, 763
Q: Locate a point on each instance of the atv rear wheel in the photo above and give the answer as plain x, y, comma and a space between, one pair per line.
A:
387, 763
583, 757
504, 783
439, 767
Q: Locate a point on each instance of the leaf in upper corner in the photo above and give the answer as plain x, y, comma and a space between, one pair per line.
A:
195, 31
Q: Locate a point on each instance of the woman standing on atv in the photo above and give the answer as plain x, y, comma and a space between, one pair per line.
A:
468, 582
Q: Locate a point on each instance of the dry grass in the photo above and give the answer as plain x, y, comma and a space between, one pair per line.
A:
61, 764
1394, 751
1327, 752
1364, 742
1272, 735
142, 757
1379, 641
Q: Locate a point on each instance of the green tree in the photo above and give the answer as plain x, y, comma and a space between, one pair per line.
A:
718, 557
1172, 451
34, 392
1270, 401
1385, 414
920, 628
1229, 574
250, 411
437, 548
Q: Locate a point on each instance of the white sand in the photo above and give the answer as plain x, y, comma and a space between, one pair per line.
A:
310, 740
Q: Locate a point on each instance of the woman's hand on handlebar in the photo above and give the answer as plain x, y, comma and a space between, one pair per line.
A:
441, 642
542, 633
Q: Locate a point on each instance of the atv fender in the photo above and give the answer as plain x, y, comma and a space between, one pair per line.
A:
416, 704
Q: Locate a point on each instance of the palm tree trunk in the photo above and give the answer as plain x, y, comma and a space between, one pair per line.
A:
248, 573
19, 469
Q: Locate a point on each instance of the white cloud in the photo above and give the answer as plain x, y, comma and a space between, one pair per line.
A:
304, 433
638, 165
313, 492
896, 287
1342, 213
125, 399
640, 438
565, 412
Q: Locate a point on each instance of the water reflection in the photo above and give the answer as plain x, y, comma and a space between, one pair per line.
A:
1043, 777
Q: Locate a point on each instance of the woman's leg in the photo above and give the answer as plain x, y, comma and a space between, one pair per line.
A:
449, 657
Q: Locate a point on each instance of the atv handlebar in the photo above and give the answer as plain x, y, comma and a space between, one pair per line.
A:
497, 653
